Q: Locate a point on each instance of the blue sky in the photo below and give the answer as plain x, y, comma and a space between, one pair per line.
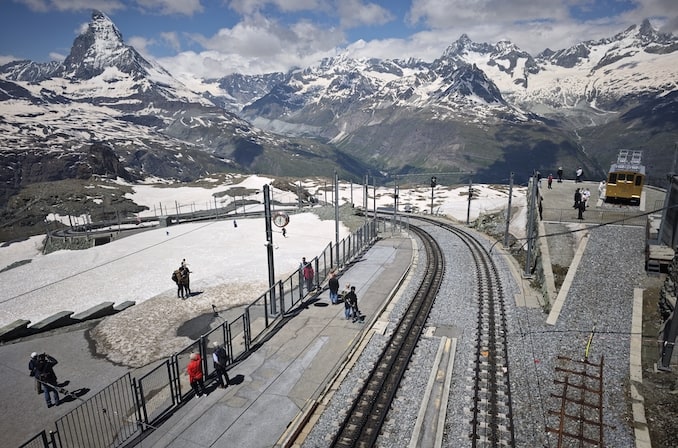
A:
211, 38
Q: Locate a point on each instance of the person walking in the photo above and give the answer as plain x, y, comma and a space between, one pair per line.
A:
550, 180
308, 274
220, 359
333, 284
32, 363
560, 174
579, 173
44, 372
195, 377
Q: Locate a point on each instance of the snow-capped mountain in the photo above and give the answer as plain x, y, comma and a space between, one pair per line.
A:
480, 110
105, 94
575, 103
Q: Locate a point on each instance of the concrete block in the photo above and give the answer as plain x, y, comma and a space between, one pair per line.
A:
16, 329
124, 305
95, 312
57, 320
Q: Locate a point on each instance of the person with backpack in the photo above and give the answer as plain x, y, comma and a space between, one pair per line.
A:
220, 359
44, 372
32, 363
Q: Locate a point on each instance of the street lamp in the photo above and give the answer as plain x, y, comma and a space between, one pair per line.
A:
269, 248
434, 182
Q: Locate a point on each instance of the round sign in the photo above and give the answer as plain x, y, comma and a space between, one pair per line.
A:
281, 219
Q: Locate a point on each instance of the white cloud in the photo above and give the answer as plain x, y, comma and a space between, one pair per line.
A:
249, 7
183, 7
257, 45
73, 5
54, 56
6, 59
355, 13
172, 39
140, 44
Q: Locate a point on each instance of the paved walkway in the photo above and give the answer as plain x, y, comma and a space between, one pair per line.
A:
271, 386
283, 377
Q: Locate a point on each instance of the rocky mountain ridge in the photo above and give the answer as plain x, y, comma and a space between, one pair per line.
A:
480, 111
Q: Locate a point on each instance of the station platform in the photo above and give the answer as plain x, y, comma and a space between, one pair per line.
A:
290, 371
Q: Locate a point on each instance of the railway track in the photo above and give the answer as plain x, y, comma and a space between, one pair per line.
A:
491, 416
363, 422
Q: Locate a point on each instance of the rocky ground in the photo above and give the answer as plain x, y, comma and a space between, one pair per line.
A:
660, 389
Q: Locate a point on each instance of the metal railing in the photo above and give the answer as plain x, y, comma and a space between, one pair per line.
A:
596, 216
119, 414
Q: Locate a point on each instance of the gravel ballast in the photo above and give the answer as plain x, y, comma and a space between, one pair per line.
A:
600, 297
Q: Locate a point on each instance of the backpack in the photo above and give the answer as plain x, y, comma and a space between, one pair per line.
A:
175, 277
222, 356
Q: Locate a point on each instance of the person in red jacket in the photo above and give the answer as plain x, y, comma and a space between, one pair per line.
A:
194, 370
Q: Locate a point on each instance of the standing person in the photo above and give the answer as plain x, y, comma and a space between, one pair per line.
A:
32, 363
577, 198
186, 280
194, 369
579, 173
560, 174
333, 284
586, 195
351, 301
44, 372
308, 274
601, 189
581, 208
550, 180
220, 359
177, 277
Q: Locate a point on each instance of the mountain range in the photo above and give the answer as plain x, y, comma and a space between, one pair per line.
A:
478, 112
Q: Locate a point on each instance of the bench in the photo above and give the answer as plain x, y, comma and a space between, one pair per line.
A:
60, 319
95, 312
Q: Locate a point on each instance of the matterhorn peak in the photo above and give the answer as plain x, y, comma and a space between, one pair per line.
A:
99, 47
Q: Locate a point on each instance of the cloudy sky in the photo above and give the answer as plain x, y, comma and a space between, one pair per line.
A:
212, 38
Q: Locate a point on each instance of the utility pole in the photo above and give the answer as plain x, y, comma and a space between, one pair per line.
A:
336, 213
434, 182
508, 211
269, 248
395, 203
530, 224
470, 196
365, 193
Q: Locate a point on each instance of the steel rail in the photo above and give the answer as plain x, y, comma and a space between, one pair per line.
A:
364, 420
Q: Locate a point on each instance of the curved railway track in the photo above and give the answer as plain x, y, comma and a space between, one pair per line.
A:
364, 420
491, 422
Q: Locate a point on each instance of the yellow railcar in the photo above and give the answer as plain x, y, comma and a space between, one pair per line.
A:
626, 178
